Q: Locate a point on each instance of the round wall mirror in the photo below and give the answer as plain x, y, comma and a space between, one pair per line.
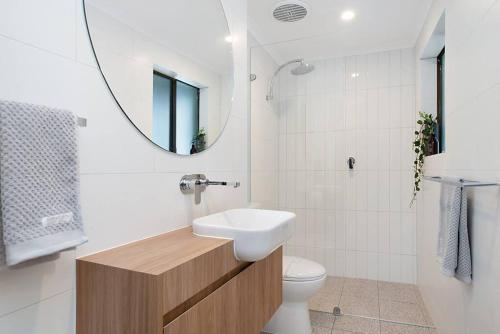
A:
169, 66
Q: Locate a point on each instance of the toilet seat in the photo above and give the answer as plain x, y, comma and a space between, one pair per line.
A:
297, 269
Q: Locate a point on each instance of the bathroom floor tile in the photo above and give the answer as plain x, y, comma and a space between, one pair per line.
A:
356, 325
333, 284
402, 312
324, 302
321, 330
423, 308
360, 288
399, 307
405, 293
359, 305
392, 328
322, 319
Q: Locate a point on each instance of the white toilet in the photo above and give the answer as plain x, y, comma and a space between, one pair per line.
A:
301, 280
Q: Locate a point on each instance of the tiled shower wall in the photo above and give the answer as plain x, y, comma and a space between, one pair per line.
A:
356, 223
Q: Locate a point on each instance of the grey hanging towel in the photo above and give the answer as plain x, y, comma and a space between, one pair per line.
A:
453, 240
39, 181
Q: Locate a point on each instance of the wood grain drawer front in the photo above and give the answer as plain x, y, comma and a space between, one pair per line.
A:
241, 306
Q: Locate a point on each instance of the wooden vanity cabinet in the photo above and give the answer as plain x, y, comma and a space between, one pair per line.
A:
176, 283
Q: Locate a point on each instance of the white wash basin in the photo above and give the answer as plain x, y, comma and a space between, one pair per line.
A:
256, 233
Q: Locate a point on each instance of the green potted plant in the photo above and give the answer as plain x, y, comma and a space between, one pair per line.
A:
423, 145
200, 140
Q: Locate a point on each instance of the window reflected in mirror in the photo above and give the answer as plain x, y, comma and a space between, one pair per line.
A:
176, 115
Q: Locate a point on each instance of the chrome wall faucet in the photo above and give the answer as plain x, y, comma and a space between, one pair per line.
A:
197, 183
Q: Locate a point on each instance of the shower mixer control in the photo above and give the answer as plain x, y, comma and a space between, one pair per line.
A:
351, 162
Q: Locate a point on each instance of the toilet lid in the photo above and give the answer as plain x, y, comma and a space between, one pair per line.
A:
298, 269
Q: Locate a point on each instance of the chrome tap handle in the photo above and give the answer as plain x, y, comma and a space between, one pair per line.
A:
197, 183
223, 183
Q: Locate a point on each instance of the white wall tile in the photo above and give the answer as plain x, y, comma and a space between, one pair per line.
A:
369, 116
384, 108
407, 108
340, 230
395, 68
384, 150
361, 264
395, 112
350, 225
315, 153
39, 279
362, 109
372, 106
55, 315
395, 191
384, 232
372, 71
351, 264
34, 23
340, 262
372, 229
372, 266
396, 265
330, 229
408, 234
395, 149
330, 261
384, 267
361, 231
384, 193
408, 70
372, 190
383, 69
316, 109
361, 181
395, 233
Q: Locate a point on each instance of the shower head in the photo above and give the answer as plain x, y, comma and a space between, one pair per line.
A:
303, 68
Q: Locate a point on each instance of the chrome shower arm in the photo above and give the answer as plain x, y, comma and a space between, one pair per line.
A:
270, 90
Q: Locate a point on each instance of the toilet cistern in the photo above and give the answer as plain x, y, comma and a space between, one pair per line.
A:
198, 183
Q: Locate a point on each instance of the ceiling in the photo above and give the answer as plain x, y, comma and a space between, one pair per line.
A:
378, 25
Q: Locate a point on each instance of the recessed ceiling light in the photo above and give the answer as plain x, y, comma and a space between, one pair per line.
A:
355, 75
229, 39
348, 15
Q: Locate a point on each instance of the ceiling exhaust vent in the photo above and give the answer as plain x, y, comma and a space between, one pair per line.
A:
290, 11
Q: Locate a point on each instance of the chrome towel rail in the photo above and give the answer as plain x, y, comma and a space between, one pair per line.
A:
460, 182
81, 122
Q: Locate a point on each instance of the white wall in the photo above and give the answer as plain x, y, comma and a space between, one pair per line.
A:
472, 151
264, 131
129, 187
356, 223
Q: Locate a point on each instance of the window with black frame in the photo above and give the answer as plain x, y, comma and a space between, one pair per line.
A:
176, 114
440, 131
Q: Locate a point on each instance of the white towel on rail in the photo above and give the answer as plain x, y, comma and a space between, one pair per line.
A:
39, 182
454, 248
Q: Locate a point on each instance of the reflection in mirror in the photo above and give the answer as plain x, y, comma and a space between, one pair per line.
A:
169, 66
